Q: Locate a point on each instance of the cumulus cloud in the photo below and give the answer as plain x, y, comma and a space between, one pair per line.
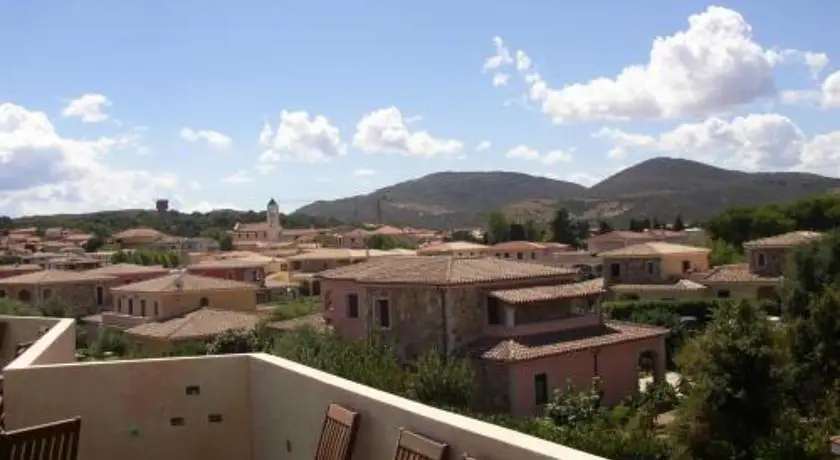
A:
299, 136
44, 172
363, 173
89, 108
385, 131
483, 145
751, 142
214, 139
710, 67
523, 152
239, 177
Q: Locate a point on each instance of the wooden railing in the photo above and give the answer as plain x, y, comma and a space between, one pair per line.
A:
51, 441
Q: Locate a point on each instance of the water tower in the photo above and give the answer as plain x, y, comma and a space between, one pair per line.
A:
162, 205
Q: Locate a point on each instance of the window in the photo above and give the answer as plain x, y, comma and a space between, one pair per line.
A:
230, 275
24, 296
507, 255
615, 270
723, 294
533, 255
157, 308
540, 389
352, 305
383, 313
650, 268
2, 293
131, 307
296, 265
143, 307
520, 256
494, 312
499, 254
686, 265
204, 302
762, 259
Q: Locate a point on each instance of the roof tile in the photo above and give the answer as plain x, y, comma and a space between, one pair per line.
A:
183, 281
553, 292
55, 277
784, 240
653, 249
197, 324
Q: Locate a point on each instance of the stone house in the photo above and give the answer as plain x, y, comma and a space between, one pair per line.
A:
761, 275
634, 270
82, 293
480, 308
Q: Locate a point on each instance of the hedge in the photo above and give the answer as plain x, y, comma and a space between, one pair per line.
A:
668, 312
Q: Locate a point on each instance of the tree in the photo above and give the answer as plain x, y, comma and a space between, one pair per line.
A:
238, 341
226, 243
13, 307
724, 253
563, 229
498, 228
94, 244
604, 227
679, 225
463, 235
532, 231
736, 388
441, 381
517, 232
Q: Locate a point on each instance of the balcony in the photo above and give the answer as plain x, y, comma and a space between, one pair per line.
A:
250, 406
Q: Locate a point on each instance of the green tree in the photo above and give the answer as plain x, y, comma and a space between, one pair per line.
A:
441, 381
94, 244
498, 228
724, 253
679, 225
517, 232
604, 227
226, 243
238, 341
736, 388
563, 229
13, 307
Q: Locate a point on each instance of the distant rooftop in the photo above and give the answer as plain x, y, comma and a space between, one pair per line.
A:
784, 240
182, 281
653, 249
196, 325
554, 292
55, 277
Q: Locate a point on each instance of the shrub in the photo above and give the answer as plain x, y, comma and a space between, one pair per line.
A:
667, 313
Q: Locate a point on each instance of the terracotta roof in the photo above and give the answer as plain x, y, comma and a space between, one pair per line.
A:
315, 320
127, 269
19, 268
553, 292
681, 285
140, 232
451, 246
554, 343
785, 240
55, 277
622, 235
653, 249
733, 273
518, 246
232, 263
183, 281
441, 270
197, 324
251, 227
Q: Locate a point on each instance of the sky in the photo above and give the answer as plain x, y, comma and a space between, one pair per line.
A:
216, 104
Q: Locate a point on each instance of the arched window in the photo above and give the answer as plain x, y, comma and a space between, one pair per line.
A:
2, 293
24, 295
204, 302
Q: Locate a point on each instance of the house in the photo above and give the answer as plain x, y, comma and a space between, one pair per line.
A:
639, 266
81, 292
541, 316
72, 262
270, 230
7, 271
246, 270
137, 237
173, 296
223, 407
303, 267
177, 243
618, 239
155, 338
526, 250
453, 248
761, 275
125, 273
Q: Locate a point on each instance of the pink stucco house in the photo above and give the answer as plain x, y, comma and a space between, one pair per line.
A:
527, 327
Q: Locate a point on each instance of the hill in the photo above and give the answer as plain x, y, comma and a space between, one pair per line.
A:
659, 187
444, 199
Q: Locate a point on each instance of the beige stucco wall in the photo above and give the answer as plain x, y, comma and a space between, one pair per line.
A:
288, 428
665, 268
56, 345
20, 329
126, 406
174, 304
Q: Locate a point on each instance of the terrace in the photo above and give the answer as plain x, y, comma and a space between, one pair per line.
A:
250, 406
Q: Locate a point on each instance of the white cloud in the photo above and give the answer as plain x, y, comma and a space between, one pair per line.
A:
43, 172
500, 79
712, 66
363, 173
385, 131
752, 142
552, 157
831, 90
239, 177
214, 139
483, 145
301, 137
206, 206
89, 108
582, 178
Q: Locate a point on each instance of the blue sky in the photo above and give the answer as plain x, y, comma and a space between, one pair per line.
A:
109, 104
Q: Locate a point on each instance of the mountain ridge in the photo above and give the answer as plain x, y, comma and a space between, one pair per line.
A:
659, 187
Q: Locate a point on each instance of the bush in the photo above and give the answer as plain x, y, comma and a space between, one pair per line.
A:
667, 313
441, 381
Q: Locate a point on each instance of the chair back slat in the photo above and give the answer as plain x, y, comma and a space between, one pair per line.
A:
412, 446
51, 441
338, 434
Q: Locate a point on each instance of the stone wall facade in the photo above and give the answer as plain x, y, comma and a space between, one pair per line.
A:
633, 271
416, 318
492, 387
773, 263
80, 299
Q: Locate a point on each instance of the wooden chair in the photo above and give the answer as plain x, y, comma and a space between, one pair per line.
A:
51, 441
338, 434
412, 446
